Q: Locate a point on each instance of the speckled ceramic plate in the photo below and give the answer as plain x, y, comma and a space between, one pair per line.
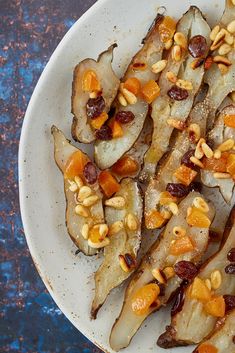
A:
69, 278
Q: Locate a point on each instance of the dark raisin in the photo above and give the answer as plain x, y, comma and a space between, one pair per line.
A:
94, 107
179, 302
124, 117
104, 133
177, 189
195, 186
229, 302
214, 236
185, 270
186, 159
197, 46
230, 269
231, 255
177, 93
90, 173
130, 261
234, 339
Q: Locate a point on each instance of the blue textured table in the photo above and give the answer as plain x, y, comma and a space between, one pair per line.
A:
30, 322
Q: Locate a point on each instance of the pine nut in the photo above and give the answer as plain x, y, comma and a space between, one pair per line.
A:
168, 44
208, 284
231, 27
180, 40
218, 39
177, 53
166, 214
207, 150
216, 279
217, 154
159, 66
93, 95
122, 100
177, 124
173, 207
171, 77
224, 49
229, 38
123, 264
226, 145
214, 32
78, 181
158, 276
103, 230
84, 192
222, 175
179, 231
131, 222
85, 231
129, 96
117, 202
184, 84
98, 245
116, 227
81, 211
232, 95
198, 151
195, 130
223, 69
201, 204
90, 201
169, 272
233, 2
127, 262
219, 59
73, 186
196, 162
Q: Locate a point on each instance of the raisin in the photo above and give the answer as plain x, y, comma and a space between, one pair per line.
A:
177, 93
197, 46
230, 269
185, 270
94, 107
195, 186
90, 173
177, 189
130, 261
186, 159
229, 302
104, 133
234, 339
231, 255
179, 302
124, 117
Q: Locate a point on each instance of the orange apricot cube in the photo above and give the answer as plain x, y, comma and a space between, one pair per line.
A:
229, 120
108, 183
98, 122
90, 82
75, 165
185, 174
181, 246
199, 290
196, 218
150, 91
143, 298
231, 165
133, 85
154, 219
125, 166
215, 306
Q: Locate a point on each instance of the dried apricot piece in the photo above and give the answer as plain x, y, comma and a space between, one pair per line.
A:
125, 166
229, 120
181, 246
207, 348
185, 174
154, 219
108, 183
90, 82
217, 165
144, 297
75, 165
166, 198
133, 85
150, 91
99, 121
197, 218
215, 307
167, 28
199, 290
117, 130
231, 165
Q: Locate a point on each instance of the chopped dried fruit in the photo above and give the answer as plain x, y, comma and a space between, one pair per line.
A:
231, 165
154, 219
75, 165
125, 166
90, 173
117, 130
207, 348
186, 270
177, 189
95, 107
108, 183
229, 302
99, 121
104, 133
186, 159
215, 307
185, 175
217, 165
90, 82
167, 28
133, 85
181, 246
229, 120
231, 255
166, 198
197, 218
199, 290
124, 117
197, 46
150, 91
144, 298
179, 301
230, 269
177, 93
208, 63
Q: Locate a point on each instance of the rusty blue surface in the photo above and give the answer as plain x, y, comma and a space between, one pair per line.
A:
30, 322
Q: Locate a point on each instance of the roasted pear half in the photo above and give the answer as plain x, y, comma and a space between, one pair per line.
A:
155, 281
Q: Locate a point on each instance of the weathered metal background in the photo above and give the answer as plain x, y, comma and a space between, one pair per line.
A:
30, 322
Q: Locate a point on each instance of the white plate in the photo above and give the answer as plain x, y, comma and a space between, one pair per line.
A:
69, 278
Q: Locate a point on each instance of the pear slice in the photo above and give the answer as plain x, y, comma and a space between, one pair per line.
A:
159, 257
